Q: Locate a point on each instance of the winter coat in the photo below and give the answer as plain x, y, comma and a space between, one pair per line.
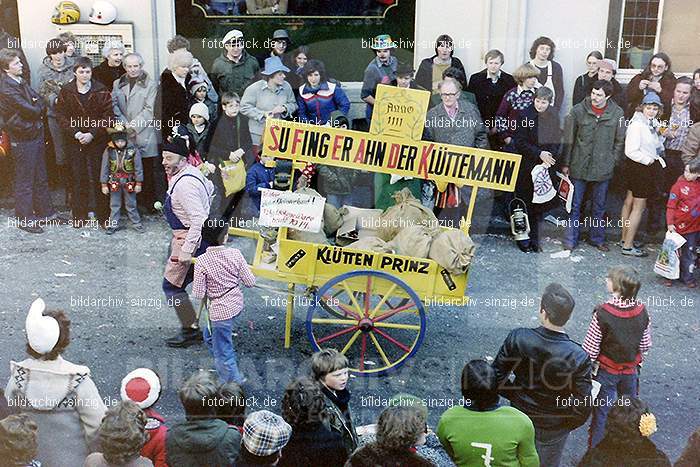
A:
258, 176
592, 145
613, 452
228, 76
258, 98
21, 109
64, 402
424, 75
136, 106
172, 102
200, 141
642, 142
489, 95
202, 443
316, 105
582, 87
229, 134
154, 448
467, 128
72, 115
106, 74
340, 420
635, 95
306, 447
691, 147
51, 80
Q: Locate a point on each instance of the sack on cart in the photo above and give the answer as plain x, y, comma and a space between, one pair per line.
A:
358, 223
406, 212
414, 240
375, 244
453, 250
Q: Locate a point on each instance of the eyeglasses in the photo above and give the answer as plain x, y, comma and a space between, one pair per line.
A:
448, 94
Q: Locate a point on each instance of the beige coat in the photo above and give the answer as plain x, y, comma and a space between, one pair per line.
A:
691, 147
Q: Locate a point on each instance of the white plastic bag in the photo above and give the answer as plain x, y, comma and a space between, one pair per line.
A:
668, 263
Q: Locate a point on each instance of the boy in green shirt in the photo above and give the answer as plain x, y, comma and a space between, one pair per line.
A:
483, 433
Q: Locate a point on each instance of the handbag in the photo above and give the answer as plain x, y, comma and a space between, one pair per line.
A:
233, 175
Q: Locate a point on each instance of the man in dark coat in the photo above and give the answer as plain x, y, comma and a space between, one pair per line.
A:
21, 110
84, 112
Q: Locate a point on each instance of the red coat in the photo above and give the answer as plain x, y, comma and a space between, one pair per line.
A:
154, 449
683, 207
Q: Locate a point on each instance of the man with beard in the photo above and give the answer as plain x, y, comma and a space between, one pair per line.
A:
186, 209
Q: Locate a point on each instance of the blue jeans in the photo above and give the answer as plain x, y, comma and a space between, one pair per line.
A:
32, 198
598, 192
550, 445
688, 252
611, 388
219, 340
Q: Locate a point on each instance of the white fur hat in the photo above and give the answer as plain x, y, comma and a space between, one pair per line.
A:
141, 386
201, 109
42, 331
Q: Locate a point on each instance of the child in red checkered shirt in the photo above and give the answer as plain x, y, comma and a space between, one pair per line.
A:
683, 217
218, 274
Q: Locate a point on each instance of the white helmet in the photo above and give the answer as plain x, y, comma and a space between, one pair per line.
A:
103, 12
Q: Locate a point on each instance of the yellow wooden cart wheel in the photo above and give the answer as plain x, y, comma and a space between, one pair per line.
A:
376, 338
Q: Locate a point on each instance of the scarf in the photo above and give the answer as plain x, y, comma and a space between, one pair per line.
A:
340, 398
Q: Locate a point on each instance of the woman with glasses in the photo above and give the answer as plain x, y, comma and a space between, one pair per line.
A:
582, 87
657, 77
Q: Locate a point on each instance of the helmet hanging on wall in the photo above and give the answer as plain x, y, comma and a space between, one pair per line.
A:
103, 12
65, 13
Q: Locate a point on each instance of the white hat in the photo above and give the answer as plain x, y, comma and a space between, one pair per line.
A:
233, 34
42, 331
201, 109
543, 188
141, 386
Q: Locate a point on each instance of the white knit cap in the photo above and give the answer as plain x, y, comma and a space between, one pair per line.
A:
201, 109
42, 331
233, 34
141, 386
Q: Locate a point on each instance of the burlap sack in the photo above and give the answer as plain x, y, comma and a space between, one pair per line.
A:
310, 237
357, 223
453, 250
408, 211
371, 244
414, 241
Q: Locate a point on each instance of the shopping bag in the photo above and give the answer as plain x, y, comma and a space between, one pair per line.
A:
668, 262
566, 191
233, 175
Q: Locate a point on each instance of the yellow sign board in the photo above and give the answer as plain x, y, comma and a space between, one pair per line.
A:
399, 112
391, 155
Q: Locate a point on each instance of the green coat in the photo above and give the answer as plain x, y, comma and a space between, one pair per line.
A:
228, 76
202, 443
592, 145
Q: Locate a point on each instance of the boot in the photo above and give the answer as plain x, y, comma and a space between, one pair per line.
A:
185, 338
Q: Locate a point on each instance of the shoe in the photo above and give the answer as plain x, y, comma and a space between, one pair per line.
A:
31, 228
636, 244
668, 283
185, 338
523, 246
601, 247
110, 230
691, 284
634, 252
138, 228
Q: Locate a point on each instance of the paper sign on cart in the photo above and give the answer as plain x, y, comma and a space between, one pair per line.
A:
287, 209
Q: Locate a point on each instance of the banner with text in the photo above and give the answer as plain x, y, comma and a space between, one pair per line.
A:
384, 154
288, 209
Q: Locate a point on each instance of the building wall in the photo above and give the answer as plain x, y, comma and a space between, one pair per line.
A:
149, 35
680, 33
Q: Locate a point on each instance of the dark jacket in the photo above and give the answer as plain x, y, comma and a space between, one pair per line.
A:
335, 180
543, 134
691, 454
172, 102
612, 452
229, 134
548, 367
202, 443
424, 75
258, 176
106, 74
635, 95
228, 76
592, 145
582, 87
21, 109
93, 117
200, 141
306, 447
489, 94
340, 420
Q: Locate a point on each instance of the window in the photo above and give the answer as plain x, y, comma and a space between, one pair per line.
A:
639, 32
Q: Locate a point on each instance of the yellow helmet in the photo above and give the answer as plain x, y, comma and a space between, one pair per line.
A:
66, 13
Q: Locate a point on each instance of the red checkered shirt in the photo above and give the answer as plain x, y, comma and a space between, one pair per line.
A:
218, 274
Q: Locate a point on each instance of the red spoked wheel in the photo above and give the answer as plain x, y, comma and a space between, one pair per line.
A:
376, 337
